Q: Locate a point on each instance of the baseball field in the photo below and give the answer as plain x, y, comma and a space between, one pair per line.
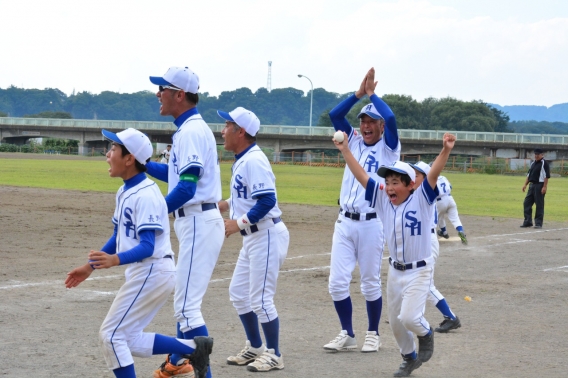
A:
54, 209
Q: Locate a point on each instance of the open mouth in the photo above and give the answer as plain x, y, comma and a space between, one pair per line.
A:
393, 197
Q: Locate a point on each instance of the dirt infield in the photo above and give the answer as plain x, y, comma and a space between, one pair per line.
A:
513, 327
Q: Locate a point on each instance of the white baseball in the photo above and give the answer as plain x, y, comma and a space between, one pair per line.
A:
338, 136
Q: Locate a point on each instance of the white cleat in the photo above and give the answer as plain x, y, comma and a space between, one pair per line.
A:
247, 355
267, 361
372, 342
342, 342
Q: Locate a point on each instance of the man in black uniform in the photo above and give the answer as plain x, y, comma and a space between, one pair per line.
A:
537, 180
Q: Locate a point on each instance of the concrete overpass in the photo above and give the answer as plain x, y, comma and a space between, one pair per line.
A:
287, 138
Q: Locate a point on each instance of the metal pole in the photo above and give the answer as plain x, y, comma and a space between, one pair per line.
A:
311, 97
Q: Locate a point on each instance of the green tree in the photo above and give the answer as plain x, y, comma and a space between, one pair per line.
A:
60, 115
2, 114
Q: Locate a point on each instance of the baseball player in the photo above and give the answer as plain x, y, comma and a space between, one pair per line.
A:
141, 239
447, 206
358, 235
165, 155
451, 321
194, 189
537, 180
254, 213
407, 217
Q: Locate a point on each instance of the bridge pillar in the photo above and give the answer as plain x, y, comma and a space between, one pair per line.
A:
277, 145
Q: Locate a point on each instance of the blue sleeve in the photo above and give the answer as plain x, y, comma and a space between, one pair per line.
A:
430, 193
338, 114
143, 250
183, 192
264, 203
110, 246
157, 170
391, 133
371, 192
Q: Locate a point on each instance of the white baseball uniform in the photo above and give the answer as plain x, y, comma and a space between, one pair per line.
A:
265, 244
408, 232
149, 282
198, 225
359, 241
435, 296
446, 204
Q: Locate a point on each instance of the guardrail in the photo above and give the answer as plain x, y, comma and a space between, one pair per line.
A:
291, 130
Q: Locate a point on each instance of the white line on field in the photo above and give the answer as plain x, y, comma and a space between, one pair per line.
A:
521, 233
559, 268
287, 258
511, 242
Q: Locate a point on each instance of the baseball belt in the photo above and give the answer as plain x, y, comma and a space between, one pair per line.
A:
358, 216
204, 207
403, 267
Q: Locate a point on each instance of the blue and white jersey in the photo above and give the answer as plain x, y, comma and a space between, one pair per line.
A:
140, 208
194, 146
444, 186
252, 176
352, 197
407, 227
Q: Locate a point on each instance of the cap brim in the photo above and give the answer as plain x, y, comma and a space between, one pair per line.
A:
158, 80
418, 169
111, 136
372, 115
225, 116
382, 171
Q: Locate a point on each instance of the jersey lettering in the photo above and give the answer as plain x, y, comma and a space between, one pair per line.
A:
372, 163
368, 107
129, 224
444, 187
415, 225
240, 188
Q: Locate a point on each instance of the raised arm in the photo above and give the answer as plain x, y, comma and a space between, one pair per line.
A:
338, 114
357, 170
391, 133
441, 159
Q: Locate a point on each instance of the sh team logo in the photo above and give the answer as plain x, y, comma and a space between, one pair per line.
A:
414, 225
239, 187
129, 225
371, 163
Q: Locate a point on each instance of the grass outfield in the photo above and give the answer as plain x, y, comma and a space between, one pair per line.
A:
475, 194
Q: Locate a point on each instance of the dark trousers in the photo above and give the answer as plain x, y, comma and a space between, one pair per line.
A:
534, 196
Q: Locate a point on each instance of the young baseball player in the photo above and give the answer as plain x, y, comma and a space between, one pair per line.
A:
141, 239
255, 214
447, 206
407, 218
194, 189
451, 321
358, 235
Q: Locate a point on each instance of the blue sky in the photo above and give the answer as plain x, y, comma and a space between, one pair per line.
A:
504, 52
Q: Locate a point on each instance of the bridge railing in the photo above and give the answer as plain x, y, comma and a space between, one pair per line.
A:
290, 130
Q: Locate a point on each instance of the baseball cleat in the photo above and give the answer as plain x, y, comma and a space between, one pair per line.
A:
342, 342
448, 324
462, 237
525, 225
407, 366
184, 369
372, 342
444, 235
200, 356
247, 355
426, 346
267, 361
537, 226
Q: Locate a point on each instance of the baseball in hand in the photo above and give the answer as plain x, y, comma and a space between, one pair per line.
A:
338, 136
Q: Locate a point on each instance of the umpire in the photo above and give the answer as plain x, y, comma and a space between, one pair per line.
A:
537, 180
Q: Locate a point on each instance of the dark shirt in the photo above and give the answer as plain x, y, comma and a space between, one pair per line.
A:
538, 171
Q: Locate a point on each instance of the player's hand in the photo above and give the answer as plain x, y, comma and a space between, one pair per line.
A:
78, 275
361, 91
449, 140
524, 187
343, 145
543, 190
102, 260
231, 227
370, 83
223, 206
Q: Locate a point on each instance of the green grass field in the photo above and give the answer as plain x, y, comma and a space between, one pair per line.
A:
475, 194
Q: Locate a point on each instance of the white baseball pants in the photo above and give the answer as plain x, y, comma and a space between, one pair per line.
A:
447, 206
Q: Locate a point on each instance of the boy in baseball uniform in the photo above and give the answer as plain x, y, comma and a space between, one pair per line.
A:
141, 239
451, 321
254, 213
407, 217
446, 205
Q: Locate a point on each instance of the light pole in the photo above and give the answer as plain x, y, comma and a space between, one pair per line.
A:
312, 97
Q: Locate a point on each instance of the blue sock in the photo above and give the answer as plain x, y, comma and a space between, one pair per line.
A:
374, 309
344, 309
443, 229
252, 330
199, 331
445, 309
167, 344
271, 332
412, 355
460, 229
125, 372
174, 358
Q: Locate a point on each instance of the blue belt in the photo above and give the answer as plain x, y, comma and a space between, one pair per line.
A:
439, 199
403, 267
204, 207
254, 227
168, 257
357, 216
433, 231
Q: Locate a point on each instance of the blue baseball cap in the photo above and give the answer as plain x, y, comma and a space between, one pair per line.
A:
421, 167
243, 118
137, 143
179, 77
371, 111
399, 167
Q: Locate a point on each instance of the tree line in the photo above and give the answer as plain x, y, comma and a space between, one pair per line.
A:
282, 106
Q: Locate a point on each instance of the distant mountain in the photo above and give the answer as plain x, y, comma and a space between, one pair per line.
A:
556, 113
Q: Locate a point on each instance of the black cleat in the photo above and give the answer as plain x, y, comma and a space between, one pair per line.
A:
426, 346
448, 324
407, 366
537, 226
526, 225
444, 235
200, 357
